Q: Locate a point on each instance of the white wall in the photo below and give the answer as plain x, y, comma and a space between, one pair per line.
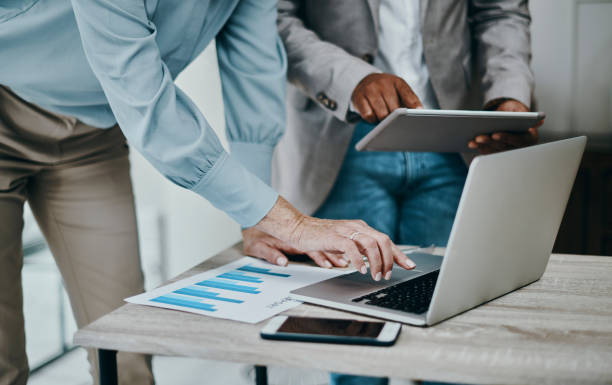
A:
572, 62
551, 63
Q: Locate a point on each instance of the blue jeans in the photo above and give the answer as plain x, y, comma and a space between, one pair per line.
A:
412, 197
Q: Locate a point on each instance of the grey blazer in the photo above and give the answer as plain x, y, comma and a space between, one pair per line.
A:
331, 46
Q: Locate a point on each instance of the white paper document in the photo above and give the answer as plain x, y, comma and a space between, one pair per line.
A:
247, 290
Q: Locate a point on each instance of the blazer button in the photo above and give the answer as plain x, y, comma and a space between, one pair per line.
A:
326, 101
368, 58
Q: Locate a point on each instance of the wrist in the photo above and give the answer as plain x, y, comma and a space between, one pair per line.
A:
282, 221
492, 105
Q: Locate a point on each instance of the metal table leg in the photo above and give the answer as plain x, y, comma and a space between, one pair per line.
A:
261, 375
108, 367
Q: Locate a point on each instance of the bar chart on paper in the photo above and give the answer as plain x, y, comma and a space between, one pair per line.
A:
248, 290
226, 282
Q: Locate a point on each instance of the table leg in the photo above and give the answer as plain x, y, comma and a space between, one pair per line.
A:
261, 375
108, 367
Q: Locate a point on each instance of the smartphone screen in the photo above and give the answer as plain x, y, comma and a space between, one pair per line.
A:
333, 327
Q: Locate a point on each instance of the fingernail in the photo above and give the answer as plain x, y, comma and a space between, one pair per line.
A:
388, 276
377, 277
496, 136
420, 108
410, 263
328, 264
363, 269
343, 262
282, 261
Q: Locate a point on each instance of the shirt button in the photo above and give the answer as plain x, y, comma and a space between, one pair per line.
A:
368, 58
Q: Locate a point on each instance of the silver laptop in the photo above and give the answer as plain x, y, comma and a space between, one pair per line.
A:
506, 224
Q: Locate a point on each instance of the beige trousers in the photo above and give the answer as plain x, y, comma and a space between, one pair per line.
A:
77, 182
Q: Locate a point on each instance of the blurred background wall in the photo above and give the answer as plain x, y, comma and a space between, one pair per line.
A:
572, 61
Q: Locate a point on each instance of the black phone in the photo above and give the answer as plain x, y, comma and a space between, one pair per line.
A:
331, 330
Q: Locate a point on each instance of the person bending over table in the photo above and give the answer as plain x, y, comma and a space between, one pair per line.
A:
79, 81
350, 60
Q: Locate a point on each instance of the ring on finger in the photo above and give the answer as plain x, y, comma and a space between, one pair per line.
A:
354, 235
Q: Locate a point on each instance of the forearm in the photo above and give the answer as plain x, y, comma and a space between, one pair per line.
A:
503, 49
253, 66
318, 67
158, 119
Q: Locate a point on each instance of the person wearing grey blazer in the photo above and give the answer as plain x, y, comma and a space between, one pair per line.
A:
331, 47
343, 58
350, 63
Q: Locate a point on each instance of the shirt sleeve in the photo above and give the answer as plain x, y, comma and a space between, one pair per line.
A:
253, 66
157, 118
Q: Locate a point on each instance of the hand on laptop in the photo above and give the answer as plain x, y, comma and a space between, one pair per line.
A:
377, 95
284, 230
502, 141
259, 244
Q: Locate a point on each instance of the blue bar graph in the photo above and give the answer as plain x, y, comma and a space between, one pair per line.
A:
203, 293
178, 301
252, 269
228, 286
240, 276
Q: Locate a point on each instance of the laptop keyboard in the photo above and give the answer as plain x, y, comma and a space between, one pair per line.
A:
412, 296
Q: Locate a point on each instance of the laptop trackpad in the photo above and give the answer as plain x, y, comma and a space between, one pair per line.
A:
346, 287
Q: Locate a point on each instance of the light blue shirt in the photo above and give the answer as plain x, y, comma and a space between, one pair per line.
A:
115, 61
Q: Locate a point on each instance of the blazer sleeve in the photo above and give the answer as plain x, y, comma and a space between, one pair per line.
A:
322, 70
500, 30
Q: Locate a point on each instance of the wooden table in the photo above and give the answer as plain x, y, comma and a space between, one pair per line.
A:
555, 331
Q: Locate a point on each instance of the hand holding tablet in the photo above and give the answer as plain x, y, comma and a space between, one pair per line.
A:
423, 130
501, 141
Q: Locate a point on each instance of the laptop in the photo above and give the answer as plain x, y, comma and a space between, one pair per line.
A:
504, 230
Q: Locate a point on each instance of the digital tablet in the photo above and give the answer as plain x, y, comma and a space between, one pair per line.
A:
441, 130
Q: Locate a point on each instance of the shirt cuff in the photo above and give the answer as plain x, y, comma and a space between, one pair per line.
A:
256, 157
230, 187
